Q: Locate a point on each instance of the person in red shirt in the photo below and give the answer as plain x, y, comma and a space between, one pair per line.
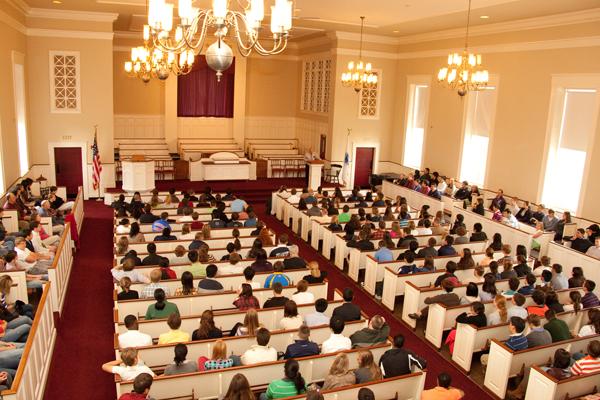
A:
141, 388
539, 298
443, 391
166, 271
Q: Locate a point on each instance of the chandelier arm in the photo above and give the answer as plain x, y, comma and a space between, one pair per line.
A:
468, 23
362, 22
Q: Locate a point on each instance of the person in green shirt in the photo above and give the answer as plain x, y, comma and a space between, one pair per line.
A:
558, 329
162, 308
197, 268
292, 385
345, 215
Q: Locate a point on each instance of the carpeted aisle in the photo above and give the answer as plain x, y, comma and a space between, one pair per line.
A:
85, 331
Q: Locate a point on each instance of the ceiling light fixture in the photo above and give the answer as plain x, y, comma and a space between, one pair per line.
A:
189, 33
359, 74
485, 17
464, 71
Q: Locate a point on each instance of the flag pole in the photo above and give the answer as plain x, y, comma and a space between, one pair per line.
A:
96, 143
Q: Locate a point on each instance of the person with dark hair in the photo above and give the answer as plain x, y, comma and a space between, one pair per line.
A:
141, 388
589, 299
261, 351
478, 234
448, 298
337, 341
246, 299
443, 391
207, 328
347, 311
366, 394
133, 337
210, 284
517, 310
451, 267
282, 249
590, 363
516, 341
239, 389
318, 317
180, 364
429, 251
165, 236
522, 269
579, 242
476, 316
539, 308
530, 287
292, 384
577, 279
446, 249
162, 308
399, 361
302, 347
291, 319
249, 278
559, 281
538, 336
278, 299
558, 328
261, 264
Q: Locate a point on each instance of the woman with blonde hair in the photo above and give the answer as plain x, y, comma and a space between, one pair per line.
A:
367, 370
122, 245
250, 325
186, 232
155, 201
316, 275
219, 359
339, 373
499, 316
206, 231
126, 292
7, 310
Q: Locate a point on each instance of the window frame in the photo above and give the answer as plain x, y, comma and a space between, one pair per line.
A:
379, 73
416, 80
77, 56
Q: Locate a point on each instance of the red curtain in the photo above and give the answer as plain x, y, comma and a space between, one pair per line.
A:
199, 94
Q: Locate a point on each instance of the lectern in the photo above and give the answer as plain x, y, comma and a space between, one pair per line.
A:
315, 168
138, 175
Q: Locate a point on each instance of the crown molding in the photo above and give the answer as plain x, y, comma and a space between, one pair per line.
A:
549, 21
20, 5
13, 23
341, 35
371, 54
72, 15
57, 33
128, 35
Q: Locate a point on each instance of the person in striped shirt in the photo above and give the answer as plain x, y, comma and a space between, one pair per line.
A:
589, 299
590, 363
516, 341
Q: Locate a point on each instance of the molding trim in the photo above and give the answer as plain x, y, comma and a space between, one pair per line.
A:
20, 5
126, 49
340, 35
128, 35
72, 15
371, 54
69, 34
13, 23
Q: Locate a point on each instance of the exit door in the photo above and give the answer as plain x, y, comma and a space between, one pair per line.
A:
363, 166
68, 168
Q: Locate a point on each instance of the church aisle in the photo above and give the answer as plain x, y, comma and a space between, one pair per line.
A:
85, 331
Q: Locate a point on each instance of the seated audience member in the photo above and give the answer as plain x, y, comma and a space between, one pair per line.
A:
509, 219
448, 299
367, 370
476, 315
337, 341
250, 325
516, 341
539, 308
141, 388
179, 257
127, 269
131, 366
522, 269
261, 264
590, 363
594, 251
282, 249
471, 294
180, 364
246, 299
559, 281
552, 302
500, 314
339, 373
364, 243
579, 242
197, 242
302, 347
443, 391
449, 274
577, 279
589, 299
478, 235
399, 361
538, 336
409, 266
197, 268
219, 359
461, 236
347, 311
291, 319
291, 385
293, 261
123, 226
239, 389
574, 302
187, 285
513, 286
550, 222
316, 275
261, 351
148, 290
249, 278
126, 293
593, 325
430, 250
318, 317
517, 310
446, 249
302, 295
278, 299
377, 332
210, 284
165, 236
162, 308
207, 328
383, 254
530, 287
175, 335
558, 328
133, 337
277, 276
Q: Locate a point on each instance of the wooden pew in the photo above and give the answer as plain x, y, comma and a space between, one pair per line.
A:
415, 199
189, 305
146, 229
503, 363
543, 386
570, 258
212, 384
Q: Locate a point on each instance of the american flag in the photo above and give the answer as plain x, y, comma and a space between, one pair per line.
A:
96, 162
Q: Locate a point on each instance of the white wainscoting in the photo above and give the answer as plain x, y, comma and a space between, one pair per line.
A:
389, 166
309, 133
205, 127
270, 128
133, 126
107, 178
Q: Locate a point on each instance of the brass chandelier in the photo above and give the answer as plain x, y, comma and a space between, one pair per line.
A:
359, 74
464, 71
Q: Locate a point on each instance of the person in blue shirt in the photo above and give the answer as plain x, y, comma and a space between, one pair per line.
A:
162, 223
166, 235
410, 266
383, 254
516, 341
302, 347
447, 249
237, 205
427, 266
277, 276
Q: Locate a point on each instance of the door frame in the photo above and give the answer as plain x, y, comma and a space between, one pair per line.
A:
83, 146
366, 143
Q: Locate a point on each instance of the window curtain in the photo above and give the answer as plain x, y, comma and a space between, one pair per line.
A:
199, 94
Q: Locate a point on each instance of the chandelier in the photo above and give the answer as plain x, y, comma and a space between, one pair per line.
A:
464, 71
192, 28
359, 74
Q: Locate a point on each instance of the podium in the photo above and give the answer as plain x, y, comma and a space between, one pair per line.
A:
138, 175
315, 169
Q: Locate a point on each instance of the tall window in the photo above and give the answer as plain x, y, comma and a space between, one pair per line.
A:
573, 119
416, 120
479, 124
19, 89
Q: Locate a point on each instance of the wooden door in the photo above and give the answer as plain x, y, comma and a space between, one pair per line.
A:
68, 168
363, 165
